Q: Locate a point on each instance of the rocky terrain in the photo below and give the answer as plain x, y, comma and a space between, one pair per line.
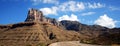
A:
94, 34
40, 30
33, 32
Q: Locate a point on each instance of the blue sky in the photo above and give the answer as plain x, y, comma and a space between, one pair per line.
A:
100, 12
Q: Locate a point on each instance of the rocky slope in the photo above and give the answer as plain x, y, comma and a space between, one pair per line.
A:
94, 34
34, 33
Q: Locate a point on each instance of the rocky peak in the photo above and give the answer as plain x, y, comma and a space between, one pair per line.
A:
36, 15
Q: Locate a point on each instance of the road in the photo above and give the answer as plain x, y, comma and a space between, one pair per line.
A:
72, 43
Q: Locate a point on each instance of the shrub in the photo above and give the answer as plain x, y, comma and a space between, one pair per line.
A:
41, 44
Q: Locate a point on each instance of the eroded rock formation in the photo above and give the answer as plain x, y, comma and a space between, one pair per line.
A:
37, 16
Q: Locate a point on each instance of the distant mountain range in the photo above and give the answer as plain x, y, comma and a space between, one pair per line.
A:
93, 33
39, 29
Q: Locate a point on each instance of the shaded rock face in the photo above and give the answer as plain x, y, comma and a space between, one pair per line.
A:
37, 16
87, 30
71, 25
75, 25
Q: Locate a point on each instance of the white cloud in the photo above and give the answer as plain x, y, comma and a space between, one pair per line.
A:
95, 5
66, 17
66, 6
72, 6
51, 1
80, 5
88, 13
105, 21
35, 2
113, 8
48, 11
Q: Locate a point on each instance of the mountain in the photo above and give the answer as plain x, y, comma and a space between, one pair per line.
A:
93, 34
41, 30
36, 30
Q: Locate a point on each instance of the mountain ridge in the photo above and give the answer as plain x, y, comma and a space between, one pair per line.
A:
40, 29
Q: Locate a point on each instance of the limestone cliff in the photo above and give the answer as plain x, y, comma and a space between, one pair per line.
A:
37, 16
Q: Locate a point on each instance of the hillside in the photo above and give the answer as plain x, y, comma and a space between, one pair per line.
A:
34, 33
94, 34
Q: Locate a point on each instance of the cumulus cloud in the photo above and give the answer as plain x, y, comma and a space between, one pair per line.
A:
95, 5
35, 2
105, 21
66, 17
48, 11
88, 13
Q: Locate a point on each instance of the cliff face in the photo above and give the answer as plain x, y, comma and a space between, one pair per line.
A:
37, 16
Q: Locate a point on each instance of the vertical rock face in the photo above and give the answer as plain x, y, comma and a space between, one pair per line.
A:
36, 15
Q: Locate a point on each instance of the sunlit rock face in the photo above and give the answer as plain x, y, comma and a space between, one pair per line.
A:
37, 16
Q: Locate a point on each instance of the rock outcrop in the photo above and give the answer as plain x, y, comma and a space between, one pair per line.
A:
37, 16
